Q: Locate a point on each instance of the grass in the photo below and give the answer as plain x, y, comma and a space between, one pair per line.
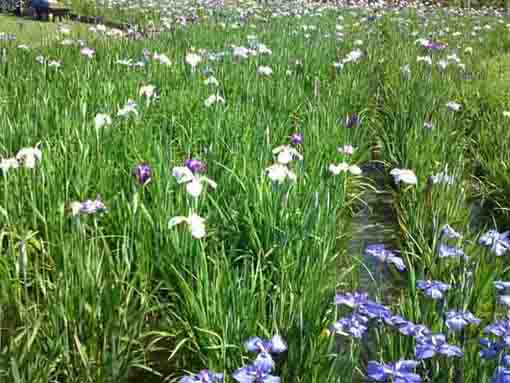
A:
107, 297
207, 296
37, 33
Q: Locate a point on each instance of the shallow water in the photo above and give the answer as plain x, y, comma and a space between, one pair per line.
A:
374, 223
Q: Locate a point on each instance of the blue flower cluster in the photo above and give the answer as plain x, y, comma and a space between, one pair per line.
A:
259, 371
427, 346
498, 243
496, 344
499, 348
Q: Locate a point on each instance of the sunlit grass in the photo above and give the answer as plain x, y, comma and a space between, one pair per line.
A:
38, 33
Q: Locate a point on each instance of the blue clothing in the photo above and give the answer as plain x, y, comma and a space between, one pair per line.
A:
40, 4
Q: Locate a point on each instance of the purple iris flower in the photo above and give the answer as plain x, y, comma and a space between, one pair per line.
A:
352, 300
456, 320
352, 121
414, 330
275, 345
265, 360
433, 289
196, 166
204, 376
296, 139
142, 173
500, 328
499, 243
354, 325
491, 349
396, 320
385, 255
362, 305
408, 328
428, 346
374, 310
449, 232
255, 373
502, 286
447, 251
399, 372
502, 373
93, 206
434, 46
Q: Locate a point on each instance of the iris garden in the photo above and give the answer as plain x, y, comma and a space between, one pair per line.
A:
181, 205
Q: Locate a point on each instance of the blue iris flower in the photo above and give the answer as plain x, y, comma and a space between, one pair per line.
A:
428, 346
399, 372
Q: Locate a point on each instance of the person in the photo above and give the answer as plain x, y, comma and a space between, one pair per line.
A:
17, 9
42, 8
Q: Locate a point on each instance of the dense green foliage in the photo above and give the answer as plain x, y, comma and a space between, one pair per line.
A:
100, 298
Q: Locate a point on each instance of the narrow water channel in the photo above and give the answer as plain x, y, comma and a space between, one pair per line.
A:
374, 223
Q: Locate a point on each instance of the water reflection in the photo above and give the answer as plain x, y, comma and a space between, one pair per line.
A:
375, 222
